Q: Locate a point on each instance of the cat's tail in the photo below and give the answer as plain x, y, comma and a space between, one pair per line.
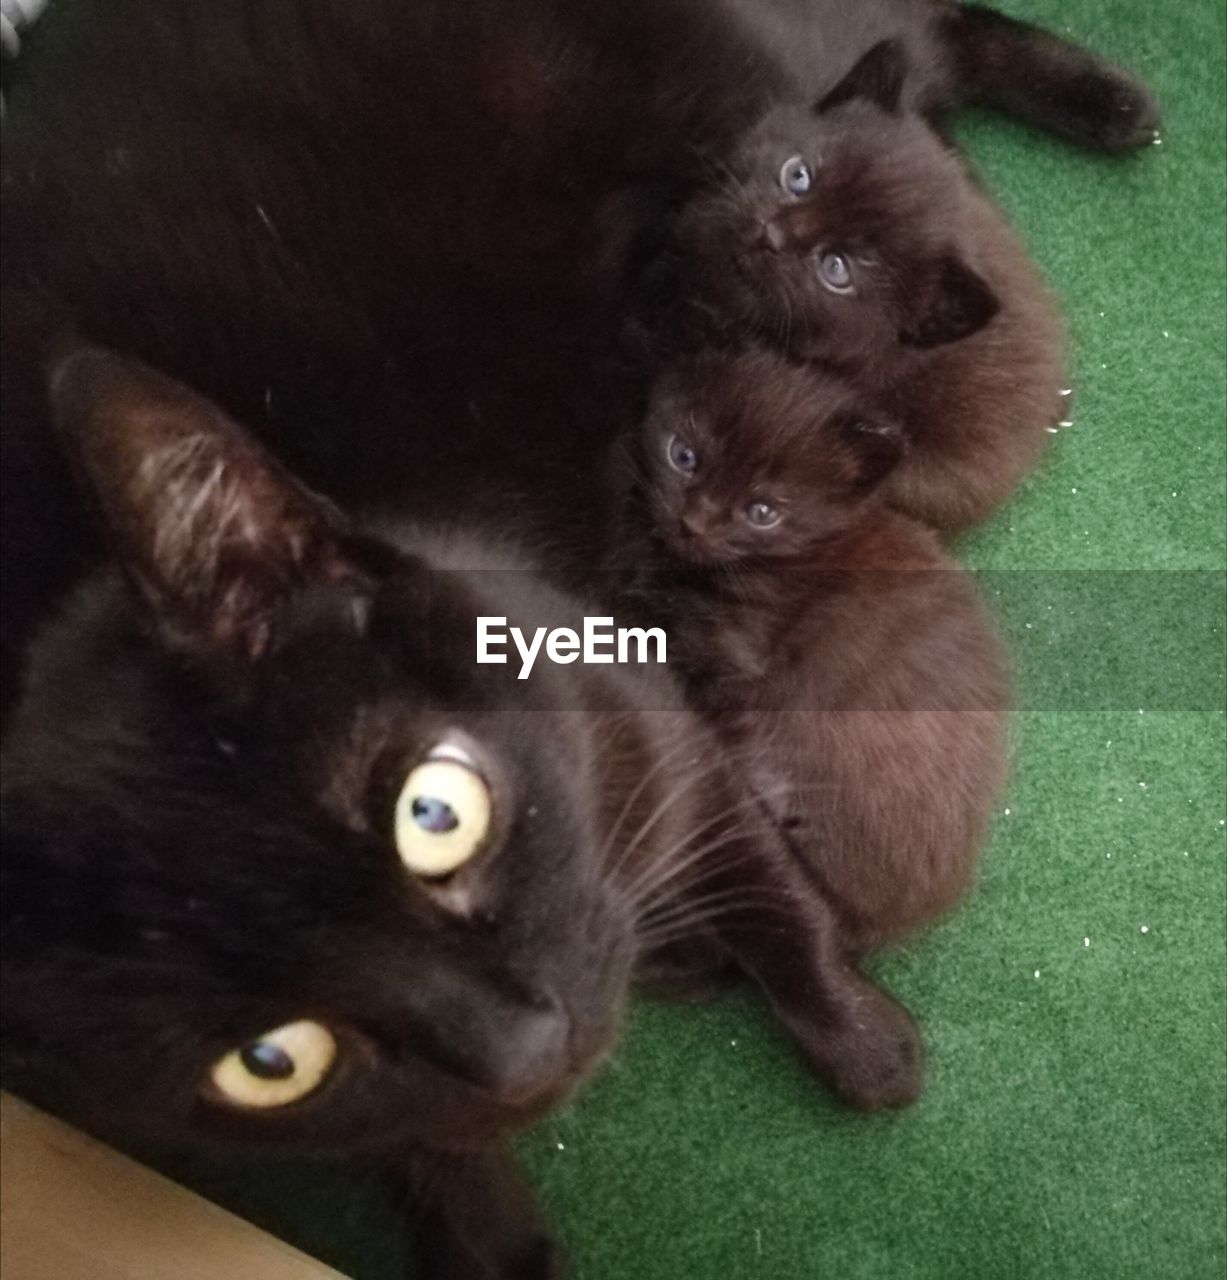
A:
1035, 75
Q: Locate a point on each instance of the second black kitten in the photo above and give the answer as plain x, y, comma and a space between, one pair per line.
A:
826, 636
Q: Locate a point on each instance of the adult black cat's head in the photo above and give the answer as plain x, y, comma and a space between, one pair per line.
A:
279, 867
748, 457
833, 229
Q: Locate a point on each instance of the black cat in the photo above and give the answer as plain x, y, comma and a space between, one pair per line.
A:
284, 867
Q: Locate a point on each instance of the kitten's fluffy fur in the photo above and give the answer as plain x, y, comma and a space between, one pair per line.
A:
945, 322
840, 648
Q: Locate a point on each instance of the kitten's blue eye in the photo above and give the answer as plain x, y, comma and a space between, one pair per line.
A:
795, 176
433, 814
682, 457
762, 515
836, 272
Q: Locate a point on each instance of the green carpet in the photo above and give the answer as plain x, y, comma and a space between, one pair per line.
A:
1074, 1009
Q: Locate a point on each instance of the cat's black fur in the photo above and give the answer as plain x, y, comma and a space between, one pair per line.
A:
827, 637
197, 809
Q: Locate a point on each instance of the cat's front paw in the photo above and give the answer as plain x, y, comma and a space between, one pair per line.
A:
873, 1056
1117, 112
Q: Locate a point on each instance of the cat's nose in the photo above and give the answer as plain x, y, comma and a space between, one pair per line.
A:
532, 1057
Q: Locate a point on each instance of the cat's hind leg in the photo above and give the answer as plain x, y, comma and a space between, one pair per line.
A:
1035, 75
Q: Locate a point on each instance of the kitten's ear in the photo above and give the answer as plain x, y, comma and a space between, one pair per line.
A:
947, 301
210, 528
878, 77
877, 447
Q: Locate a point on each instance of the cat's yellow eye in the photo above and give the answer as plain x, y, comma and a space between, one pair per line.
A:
442, 816
280, 1067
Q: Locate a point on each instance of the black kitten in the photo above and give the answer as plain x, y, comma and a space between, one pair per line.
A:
850, 236
284, 867
826, 636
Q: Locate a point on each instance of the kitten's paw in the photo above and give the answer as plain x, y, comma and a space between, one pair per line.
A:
874, 1058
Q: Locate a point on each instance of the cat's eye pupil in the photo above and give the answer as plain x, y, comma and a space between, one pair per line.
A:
795, 176
835, 270
266, 1061
682, 456
762, 514
434, 815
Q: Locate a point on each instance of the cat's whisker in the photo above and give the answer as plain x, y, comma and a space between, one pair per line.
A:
668, 871
688, 917
687, 922
712, 767
636, 792
670, 757
666, 868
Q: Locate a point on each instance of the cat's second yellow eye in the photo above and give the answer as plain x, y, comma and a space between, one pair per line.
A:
442, 816
280, 1067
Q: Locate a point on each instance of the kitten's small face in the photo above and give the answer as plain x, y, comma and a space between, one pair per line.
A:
834, 235
748, 457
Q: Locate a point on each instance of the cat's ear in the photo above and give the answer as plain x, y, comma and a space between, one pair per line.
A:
876, 447
214, 533
947, 301
878, 78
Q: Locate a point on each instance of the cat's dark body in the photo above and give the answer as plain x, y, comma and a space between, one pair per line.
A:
829, 638
220, 192
933, 307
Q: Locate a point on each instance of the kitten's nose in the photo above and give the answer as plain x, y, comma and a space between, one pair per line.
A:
694, 524
772, 236
697, 518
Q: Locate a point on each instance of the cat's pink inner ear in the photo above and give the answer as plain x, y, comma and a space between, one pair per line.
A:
209, 526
